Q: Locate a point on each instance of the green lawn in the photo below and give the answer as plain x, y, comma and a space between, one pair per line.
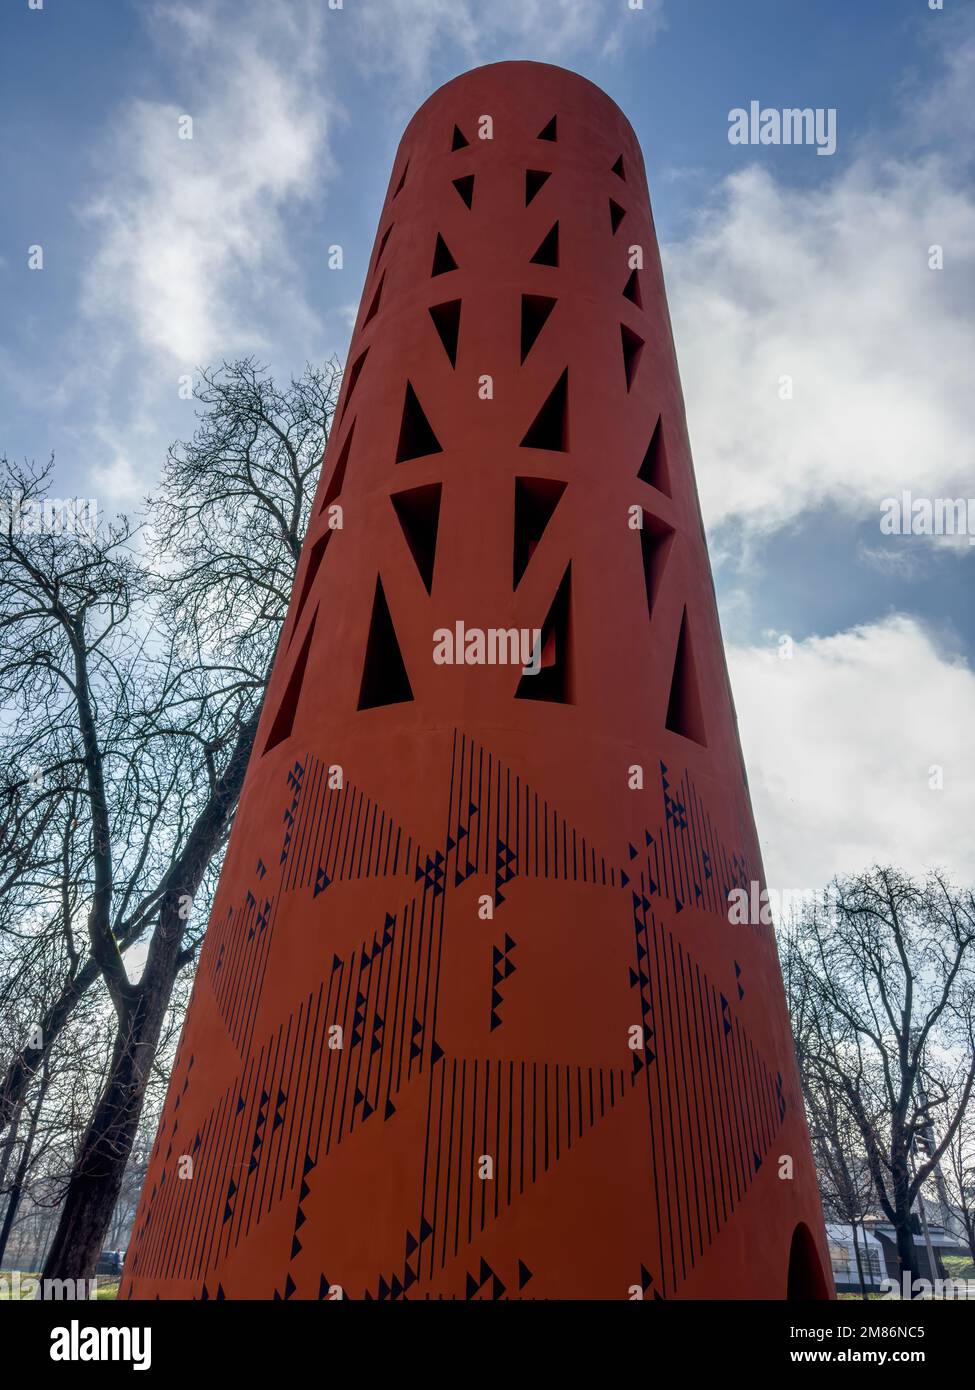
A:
107, 1288
6, 1292
959, 1267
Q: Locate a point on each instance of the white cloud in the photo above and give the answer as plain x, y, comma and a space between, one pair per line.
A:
897, 561
839, 742
946, 112
830, 286
407, 38
193, 253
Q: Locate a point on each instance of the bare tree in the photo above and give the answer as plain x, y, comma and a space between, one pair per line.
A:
959, 1166
40, 1143
135, 664
845, 1182
887, 976
15, 1191
846, 1185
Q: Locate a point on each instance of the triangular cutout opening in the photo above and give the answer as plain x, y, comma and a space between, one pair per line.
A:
374, 306
443, 261
402, 181
446, 320
355, 371
548, 252
419, 515
616, 215
632, 348
535, 309
550, 428
416, 438
654, 468
534, 180
311, 573
656, 539
553, 679
465, 187
284, 720
384, 678
685, 714
460, 140
338, 472
382, 245
619, 170
632, 291
551, 131
535, 501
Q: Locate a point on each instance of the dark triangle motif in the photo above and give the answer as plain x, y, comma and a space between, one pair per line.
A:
446, 320
418, 512
416, 436
384, 678
550, 428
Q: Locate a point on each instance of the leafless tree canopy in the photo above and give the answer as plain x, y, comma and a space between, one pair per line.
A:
882, 984
133, 663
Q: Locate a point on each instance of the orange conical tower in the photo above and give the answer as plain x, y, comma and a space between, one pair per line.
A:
471, 1019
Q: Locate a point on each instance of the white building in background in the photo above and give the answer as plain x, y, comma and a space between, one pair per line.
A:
843, 1258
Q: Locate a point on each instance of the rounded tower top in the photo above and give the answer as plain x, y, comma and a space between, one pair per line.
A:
530, 95
528, 75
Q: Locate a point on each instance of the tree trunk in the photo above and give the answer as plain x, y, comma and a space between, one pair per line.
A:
44, 1224
901, 1204
906, 1249
9, 1144
856, 1252
23, 1167
99, 1166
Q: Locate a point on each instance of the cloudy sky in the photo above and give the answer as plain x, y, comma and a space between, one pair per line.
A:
161, 254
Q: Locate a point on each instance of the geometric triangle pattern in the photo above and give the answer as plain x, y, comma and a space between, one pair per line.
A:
390, 1043
471, 1019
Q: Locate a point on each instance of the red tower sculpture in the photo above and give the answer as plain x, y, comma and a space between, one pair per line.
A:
471, 1019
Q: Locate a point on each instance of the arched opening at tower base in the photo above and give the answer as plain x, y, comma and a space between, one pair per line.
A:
807, 1283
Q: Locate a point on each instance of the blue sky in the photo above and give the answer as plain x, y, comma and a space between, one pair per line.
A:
161, 254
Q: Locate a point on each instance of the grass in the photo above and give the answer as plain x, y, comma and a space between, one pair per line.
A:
106, 1289
6, 1291
959, 1266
